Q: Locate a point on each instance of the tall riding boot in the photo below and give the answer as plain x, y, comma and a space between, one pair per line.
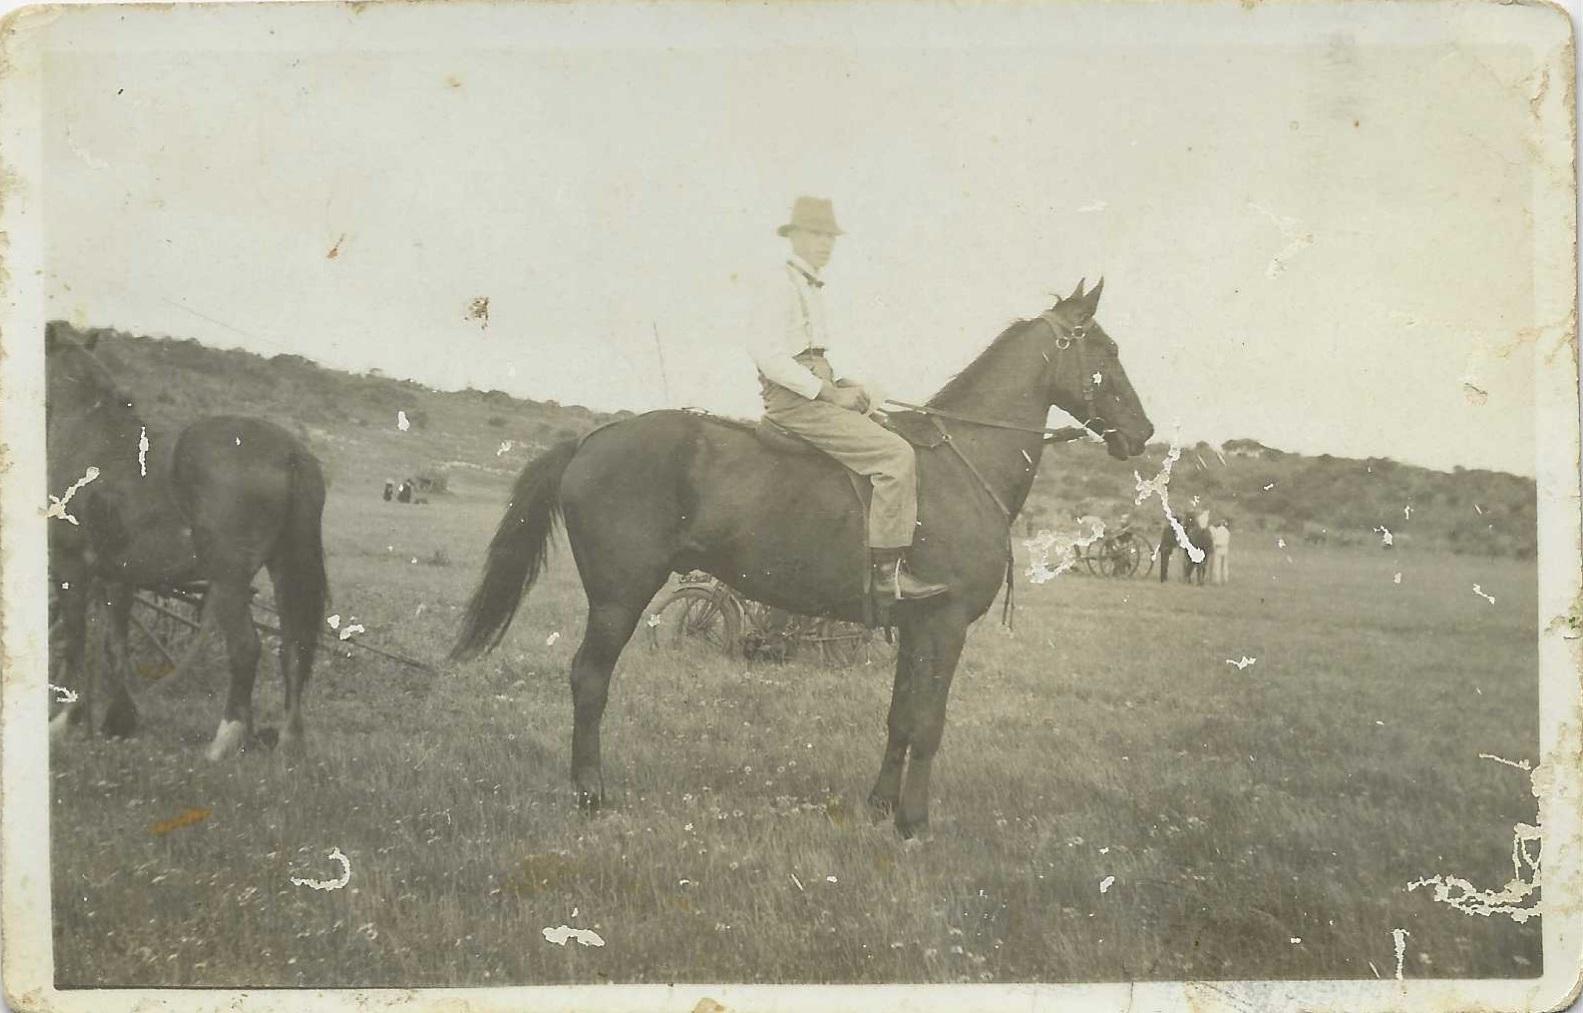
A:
894, 582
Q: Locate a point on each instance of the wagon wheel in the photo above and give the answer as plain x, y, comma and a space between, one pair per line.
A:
842, 645
1093, 557
1126, 555
694, 615
164, 632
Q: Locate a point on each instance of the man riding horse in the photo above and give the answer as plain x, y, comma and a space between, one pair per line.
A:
803, 397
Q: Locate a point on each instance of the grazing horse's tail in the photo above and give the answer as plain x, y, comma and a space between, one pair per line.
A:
304, 590
517, 552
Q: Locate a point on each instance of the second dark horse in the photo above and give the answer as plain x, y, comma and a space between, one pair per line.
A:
216, 502
678, 491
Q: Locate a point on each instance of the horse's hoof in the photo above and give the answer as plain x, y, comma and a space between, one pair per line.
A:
267, 737
913, 830
228, 741
589, 802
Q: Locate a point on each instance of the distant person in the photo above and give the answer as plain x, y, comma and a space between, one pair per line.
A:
390, 489
1220, 554
404, 495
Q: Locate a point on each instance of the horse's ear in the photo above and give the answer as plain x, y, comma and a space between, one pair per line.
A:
51, 336
1077, 293
1091, 300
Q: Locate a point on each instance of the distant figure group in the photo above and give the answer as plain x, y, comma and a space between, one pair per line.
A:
402, 493
1213, 543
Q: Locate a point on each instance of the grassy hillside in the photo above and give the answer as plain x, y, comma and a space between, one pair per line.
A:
1294, 497
351, 422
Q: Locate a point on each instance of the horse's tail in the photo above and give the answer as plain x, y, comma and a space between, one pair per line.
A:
517, 552
303, 591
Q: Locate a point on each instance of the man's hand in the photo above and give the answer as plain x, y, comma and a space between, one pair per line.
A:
853, 399
853, 385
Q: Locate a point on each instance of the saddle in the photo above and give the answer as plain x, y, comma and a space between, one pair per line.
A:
916, 428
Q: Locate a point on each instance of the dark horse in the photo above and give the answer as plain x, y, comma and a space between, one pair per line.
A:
678, 491
216, 502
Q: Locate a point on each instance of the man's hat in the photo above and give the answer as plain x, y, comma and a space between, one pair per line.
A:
812, 213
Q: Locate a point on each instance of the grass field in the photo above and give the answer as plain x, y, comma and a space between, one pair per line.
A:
1261, 822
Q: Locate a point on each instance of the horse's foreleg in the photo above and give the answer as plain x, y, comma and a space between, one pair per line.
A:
120, 718
937, 645
234, 615
70, 629
882, 800
609, 627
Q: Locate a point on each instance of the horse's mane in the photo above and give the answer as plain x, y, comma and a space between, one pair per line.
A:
970, 373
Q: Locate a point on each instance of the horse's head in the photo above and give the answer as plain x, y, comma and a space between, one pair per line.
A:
1086, 379
76, 382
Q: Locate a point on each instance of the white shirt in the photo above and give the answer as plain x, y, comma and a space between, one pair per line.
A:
1220, 537
791, 320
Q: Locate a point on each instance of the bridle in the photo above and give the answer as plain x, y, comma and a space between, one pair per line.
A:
1071, 338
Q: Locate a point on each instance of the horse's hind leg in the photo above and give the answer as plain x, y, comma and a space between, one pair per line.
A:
295, 664
610, 625
234, 615
293, 677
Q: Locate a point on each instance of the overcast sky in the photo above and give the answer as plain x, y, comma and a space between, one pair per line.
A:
1308, 236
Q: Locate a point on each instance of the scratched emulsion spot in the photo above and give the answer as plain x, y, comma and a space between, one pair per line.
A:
1243, 662
1066, 548
1516, 899
329, 884
1106, 883
1399, 940
550, 640
62, 694
142, 451
1159, 486
185, 819
57, 504
1386, 538
478, 310
562, 933
402, 422
1480, 592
